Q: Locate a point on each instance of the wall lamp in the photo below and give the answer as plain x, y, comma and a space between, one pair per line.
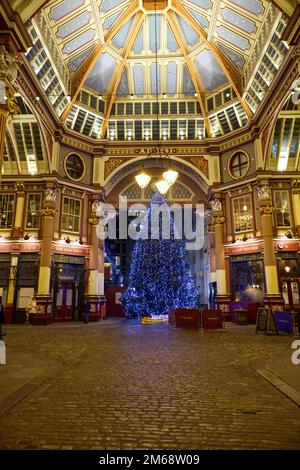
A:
67, 240
26, 236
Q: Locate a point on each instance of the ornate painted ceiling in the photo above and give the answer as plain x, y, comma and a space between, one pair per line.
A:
101, 62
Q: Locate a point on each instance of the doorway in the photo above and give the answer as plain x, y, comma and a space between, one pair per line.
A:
66, 301
68, 284
290, 288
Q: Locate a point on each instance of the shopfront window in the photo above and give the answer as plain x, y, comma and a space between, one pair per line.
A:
71, 215
6, 210
282, 209
242, 214
247, 279
33, 211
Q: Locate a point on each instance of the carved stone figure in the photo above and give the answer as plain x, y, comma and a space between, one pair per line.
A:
95, 206
264, 193
216, 205
50, 195
8, 65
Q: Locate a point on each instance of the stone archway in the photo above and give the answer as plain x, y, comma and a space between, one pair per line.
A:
196, 185
125, 172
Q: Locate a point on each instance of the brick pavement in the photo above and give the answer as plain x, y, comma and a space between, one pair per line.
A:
127, 386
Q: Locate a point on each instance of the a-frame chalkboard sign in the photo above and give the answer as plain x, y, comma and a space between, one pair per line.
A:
265, 322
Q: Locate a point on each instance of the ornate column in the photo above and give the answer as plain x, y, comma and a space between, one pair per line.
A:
19, 212
43, 297
94, 291
223, 297
8, 89
296, 204
210, 256
9, 309
272, 295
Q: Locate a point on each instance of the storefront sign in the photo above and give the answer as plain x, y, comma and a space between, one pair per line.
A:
242, 249
5, 247
287, 245
29, 247
70, 250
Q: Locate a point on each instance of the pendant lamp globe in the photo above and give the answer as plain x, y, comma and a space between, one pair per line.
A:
162, 186
170, 176
142, 179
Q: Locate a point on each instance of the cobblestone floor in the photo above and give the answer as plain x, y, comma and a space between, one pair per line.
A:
127, 386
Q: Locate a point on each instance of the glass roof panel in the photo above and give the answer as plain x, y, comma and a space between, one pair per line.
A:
139, 42
202, 20
155, 89
138, 77
171, 41
190, 35
237, 59
111, 20
188, 85
123, 85
76, 61
154, 32
210, 71
120, 38
101, 73
64, 8
238, 20
74, 25
78, 42
253, 6
233, 38
171, 78
108, 5
205, 4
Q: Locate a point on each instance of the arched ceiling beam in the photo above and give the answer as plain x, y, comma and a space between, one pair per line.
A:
119, 71
191, 66
231, 73
83, 72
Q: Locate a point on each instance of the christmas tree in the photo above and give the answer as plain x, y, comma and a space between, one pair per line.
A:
160, 275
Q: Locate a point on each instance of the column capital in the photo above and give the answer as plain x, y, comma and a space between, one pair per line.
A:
266, 209
48, 211
296, 186
93, 220
219, 218
217, 211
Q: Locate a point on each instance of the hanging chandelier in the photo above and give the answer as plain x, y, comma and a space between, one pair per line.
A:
169, 176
